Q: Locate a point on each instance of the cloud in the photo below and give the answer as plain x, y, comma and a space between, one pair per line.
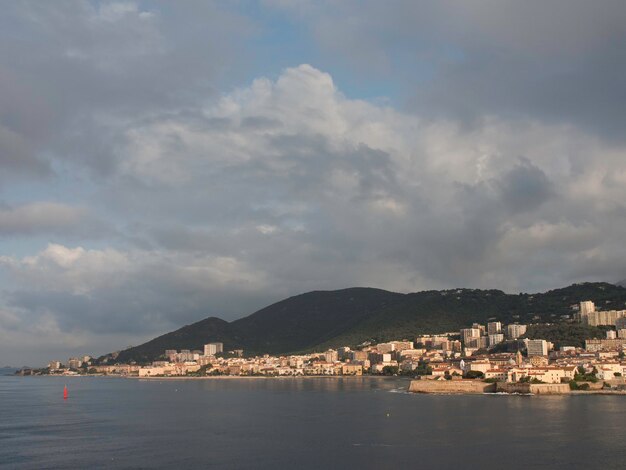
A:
74, 73
44, 217
558, 61
112, 291
287, 185
199, 178
341, 185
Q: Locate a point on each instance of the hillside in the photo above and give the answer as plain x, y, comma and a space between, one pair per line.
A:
192, 336
322, 319
299, 322
449, 310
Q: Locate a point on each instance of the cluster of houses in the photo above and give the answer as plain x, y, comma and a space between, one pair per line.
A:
447, 356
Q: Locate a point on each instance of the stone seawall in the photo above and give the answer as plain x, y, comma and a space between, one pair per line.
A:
451, 386
534, 389
478, 386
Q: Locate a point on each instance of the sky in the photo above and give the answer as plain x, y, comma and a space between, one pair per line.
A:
162, 162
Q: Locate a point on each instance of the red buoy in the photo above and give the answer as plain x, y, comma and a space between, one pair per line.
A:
65, 392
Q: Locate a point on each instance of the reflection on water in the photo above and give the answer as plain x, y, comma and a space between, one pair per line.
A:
297, 423
304, 384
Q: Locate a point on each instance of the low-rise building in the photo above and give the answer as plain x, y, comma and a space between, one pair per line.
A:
593, 345
499, 375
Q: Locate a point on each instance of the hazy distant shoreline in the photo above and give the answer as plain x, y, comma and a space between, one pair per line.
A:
227, 377
246, 377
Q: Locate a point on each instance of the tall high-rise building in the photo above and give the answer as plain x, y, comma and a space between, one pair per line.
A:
515, 331
494, 327
602, 317
212, 349
480, 327
587, 307
331, 356
469, 334
74, 363
495, 338
537, 347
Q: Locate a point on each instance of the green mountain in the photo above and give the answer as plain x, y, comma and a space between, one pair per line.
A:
321, 319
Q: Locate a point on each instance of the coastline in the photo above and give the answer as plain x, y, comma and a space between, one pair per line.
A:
226, 377
438, 391
247, 377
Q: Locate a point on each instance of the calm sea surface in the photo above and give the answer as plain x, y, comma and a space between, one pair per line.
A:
298, 423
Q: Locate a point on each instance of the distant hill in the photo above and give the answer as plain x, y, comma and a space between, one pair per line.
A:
322, 319
622, 283
296, 323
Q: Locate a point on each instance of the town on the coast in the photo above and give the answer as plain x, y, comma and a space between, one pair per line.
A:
479, 358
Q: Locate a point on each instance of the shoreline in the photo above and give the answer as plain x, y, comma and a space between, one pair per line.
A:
349, 377
478, 387
247, 377
225, 377
501, 394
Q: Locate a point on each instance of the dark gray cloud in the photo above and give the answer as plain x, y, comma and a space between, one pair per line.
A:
46, 218
524, 188
561, 61
73, 73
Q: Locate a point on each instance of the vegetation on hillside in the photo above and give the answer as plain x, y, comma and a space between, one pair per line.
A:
565, 334
322, 319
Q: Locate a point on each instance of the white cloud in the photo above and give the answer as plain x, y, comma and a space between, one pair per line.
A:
81, 271
41, 216
288, 185
373, 185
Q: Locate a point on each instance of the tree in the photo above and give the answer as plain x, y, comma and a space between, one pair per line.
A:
423, 369
474, 374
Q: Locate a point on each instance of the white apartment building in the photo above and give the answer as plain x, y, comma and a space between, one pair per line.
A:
537, 347
515, 331
587, 307
590, 316
494, 327
331, 356
470, 334
495, 339
211, 349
